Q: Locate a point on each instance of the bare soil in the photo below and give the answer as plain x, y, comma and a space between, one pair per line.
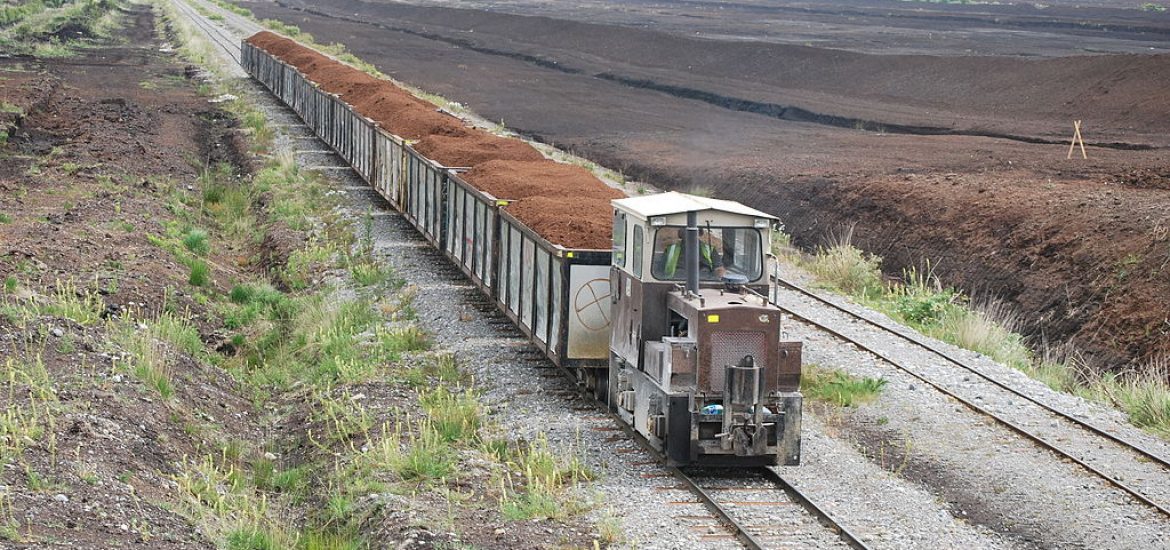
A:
932, 154
107, 138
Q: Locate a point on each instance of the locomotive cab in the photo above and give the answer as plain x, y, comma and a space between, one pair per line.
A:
696, 362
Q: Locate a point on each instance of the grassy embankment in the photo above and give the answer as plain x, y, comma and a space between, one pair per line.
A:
337, 357
54, 28
921, 301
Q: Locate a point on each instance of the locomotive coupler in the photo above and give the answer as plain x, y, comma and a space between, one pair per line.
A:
742, 400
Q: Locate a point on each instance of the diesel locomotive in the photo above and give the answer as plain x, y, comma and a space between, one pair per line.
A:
697, 365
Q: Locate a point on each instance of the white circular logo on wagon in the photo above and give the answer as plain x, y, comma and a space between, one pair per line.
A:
591, 304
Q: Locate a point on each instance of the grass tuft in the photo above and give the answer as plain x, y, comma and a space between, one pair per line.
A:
196, 241
454, 416
843, 266
82, 306
200, 273
838, 387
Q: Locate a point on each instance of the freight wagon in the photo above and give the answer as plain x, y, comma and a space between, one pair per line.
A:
559, 297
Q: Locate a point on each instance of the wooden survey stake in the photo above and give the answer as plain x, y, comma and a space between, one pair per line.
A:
1077, 140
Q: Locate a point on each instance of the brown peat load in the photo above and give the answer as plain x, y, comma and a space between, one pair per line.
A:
507, 168
391, 107
564, 203
474, 148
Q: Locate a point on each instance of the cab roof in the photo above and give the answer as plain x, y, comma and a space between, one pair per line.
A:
674, 202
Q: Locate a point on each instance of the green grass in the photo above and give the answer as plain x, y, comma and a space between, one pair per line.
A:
435, 370
83, 306
233, 8
1141, 393
540, 489
454, 416
248, 538
428, 457
196, 241
408, 338
369, 273
848, 269
534, 504
23, 421
838, 387
146, 358
200, 273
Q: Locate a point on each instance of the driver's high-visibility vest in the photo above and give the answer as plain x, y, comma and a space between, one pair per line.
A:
674, 250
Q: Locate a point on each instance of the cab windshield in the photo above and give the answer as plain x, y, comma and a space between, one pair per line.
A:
722, 250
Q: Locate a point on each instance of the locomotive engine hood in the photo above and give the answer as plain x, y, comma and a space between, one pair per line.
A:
728, 326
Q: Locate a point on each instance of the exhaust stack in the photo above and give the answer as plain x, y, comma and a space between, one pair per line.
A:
691, 246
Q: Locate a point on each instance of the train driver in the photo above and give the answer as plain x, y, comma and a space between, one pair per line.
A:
670, 256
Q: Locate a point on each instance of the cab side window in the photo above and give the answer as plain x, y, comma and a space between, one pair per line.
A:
637, 251
619, 239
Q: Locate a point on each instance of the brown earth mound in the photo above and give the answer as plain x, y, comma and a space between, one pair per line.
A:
97, 166
474, 148
565, 204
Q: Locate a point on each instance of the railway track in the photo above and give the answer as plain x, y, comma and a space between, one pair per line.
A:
218, 36
746, 503
1121, 462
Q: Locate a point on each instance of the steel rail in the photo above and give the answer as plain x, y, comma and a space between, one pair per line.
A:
740, 531
1088, 426
243, 24
1138, 495
827, 520
226, 43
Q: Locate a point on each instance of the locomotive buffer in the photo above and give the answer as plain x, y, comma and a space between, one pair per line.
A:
696, 363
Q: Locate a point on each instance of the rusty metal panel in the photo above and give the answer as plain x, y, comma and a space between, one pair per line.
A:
787, 373
728, 347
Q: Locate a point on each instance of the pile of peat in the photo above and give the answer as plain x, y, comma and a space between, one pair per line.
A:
574, 210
